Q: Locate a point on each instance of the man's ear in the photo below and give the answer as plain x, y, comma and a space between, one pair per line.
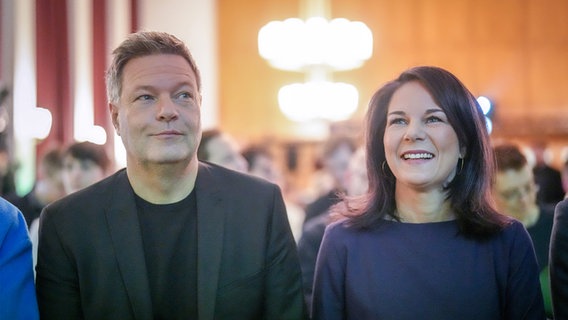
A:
113, 109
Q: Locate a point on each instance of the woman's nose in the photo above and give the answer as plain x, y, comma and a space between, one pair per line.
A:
415, 131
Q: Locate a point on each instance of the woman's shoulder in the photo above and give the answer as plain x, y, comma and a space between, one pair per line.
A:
513, 227
344, 228
338, 226
514, 235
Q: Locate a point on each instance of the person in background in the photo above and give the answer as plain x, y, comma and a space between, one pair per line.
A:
547, 178
356, 184
17, 291
335, 158
220, 148
564, 176
261, 163
84, 163
424, 241
47, 188
167, 237
7, 169
559, 261
514, 191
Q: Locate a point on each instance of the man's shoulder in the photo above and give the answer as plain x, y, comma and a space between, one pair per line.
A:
227, 178
95, 194
561, 209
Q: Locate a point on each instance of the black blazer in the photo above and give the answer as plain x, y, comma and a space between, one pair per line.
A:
91, 261
559, 261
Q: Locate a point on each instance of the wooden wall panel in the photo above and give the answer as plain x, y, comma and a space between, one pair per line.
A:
513, 51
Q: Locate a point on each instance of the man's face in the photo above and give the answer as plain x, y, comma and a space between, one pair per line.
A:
515, 192
158, 115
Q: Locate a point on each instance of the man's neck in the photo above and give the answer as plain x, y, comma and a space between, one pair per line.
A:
163, 183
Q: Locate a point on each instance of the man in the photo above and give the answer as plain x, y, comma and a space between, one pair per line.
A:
167, 237
548, 179
559, 261
220, 148
17, 292
515, 195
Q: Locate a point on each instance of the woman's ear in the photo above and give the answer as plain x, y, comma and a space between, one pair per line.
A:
462, 152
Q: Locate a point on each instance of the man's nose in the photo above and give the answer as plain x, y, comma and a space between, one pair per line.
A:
167, 109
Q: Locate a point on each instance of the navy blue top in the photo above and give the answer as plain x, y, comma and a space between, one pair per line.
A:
426, 271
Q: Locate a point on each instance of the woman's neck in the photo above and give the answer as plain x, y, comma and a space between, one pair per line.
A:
422, 207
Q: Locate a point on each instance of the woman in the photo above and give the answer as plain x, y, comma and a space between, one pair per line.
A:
424, 241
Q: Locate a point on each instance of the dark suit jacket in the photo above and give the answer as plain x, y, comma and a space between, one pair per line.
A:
91, 261
559, 261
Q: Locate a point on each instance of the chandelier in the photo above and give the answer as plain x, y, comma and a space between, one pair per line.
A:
316, 47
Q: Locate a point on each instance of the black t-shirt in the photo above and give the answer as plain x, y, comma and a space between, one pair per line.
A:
169, 235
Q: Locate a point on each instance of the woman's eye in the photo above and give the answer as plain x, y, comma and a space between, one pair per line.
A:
432, 119
397, 121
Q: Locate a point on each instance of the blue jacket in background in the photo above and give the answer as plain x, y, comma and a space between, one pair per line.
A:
17, 290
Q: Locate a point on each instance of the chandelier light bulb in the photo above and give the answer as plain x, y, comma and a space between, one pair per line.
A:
333, 101
294, 44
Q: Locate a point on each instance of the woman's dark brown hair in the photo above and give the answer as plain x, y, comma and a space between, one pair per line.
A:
469, 192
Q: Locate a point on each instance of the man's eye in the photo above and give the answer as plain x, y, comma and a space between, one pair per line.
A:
184, 95
144, 97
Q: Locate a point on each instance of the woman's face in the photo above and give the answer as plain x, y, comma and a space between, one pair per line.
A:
421, 147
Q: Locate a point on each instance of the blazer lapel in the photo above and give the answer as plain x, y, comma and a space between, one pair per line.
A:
126, 236
210, 225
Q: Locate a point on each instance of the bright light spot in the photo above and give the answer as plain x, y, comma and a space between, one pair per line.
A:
485, 104
294, 44
96, 134
489, 125
35, 123
318, 100
119, 152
